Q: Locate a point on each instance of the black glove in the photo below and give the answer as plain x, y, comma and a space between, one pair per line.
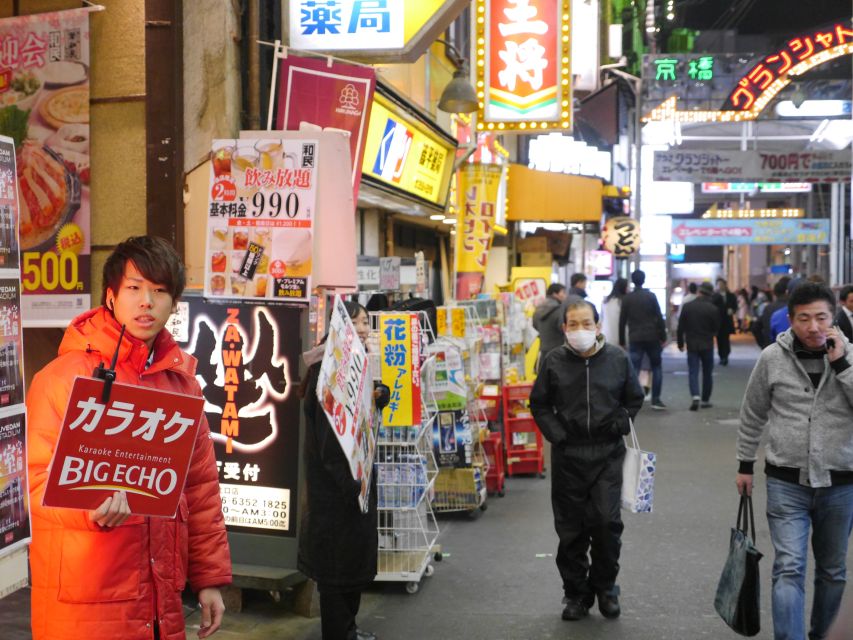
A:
622, 422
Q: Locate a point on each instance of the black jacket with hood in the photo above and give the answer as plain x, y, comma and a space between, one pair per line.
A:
578, 401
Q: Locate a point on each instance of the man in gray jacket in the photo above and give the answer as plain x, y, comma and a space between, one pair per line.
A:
547, 321
801, 391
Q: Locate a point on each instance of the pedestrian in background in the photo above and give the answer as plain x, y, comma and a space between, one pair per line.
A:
583, 398
742, 311
338, 543
107, 574
642, 318
844, 317
546, 320
690, 296
801, 392
611, 310
726, 303
578, 285
698, 325
780, 301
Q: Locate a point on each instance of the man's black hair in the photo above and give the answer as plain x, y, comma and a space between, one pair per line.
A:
846, 290
153, 257
638, 278
809, 292
575, 302
554, 289
692, 288
780, 289
576, 278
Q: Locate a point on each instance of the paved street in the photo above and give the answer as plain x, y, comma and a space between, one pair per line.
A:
499, 580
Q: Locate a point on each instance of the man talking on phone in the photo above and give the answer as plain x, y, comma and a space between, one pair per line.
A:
801, 392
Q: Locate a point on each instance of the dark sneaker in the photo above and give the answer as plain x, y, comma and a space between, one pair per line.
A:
361, 634
724, 362
575, 609
706, 405
694, 406
657, 405
608, 604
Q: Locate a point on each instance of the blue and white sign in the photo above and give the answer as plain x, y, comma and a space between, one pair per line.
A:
334, 25
766, 231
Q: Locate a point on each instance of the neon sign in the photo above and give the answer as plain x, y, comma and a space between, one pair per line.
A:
763, 82
524, 64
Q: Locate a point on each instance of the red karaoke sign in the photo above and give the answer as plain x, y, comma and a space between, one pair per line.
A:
140, 441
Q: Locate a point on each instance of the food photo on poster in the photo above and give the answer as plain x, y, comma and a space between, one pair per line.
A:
131, 438
44, 109
260, 219
247, 357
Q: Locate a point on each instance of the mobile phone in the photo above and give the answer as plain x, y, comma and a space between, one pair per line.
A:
830, 344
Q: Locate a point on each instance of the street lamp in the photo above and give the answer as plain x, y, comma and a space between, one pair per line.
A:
459, 95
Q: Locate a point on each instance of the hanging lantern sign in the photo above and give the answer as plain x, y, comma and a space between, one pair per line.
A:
621, 236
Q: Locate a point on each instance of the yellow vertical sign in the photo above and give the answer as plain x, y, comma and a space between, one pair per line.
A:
441, 320
457, 322
477, 193
399, 345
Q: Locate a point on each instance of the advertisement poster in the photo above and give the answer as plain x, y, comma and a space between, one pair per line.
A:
139, 440
477, 188
44, 93
260, 219
11, 344
452, 439
338, 96
448, 386
768, 231
247, 359
14, 511
399, 348
345, 391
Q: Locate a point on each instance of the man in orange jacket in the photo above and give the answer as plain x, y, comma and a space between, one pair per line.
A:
107, 574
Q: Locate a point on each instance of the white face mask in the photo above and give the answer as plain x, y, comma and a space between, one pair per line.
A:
581, 340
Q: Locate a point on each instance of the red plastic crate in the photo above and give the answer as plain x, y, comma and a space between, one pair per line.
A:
523, 438
496, 476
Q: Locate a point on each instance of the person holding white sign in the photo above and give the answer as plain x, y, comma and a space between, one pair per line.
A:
107, 574
338, 543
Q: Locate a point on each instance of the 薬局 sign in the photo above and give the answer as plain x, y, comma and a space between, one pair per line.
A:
405, 152
371, 30
139, 441
399, 351
345, 392
524, 64
767, 231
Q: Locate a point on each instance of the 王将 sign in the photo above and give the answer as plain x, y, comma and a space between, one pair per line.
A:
399, 351
753, 166
139, 441
767, 231
524, 64
407, 153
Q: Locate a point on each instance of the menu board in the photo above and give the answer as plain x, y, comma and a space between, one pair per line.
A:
260, 219
44, 109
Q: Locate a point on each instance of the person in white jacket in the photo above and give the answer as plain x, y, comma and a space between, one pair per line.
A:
611, 309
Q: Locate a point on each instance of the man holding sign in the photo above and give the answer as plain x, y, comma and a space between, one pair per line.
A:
108, 572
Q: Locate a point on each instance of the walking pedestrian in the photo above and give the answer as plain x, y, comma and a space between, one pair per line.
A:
698, 324
727, 305
844, 317
801, 392
338, 544
642, 317
546, 319
107, 574
582, 401
690, 296
742, 311
611, 309
780, 301
578, 285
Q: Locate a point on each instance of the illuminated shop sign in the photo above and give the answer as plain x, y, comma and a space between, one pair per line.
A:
524, 75
752, 187
766, 77
403, 152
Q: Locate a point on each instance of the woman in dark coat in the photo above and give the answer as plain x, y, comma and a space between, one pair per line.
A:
337, 542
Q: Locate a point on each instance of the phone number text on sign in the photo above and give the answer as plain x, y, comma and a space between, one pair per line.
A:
257, 507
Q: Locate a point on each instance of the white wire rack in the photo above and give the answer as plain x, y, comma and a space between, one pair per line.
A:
405, 475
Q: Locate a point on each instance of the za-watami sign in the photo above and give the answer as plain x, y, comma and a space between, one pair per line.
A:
524, 64
139, 441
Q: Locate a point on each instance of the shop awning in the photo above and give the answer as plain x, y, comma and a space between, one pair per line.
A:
542, 196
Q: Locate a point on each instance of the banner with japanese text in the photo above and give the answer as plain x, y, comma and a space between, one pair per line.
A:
345, 390
318, 92
248, 356
14, 495
399, 348
260, 219
524, 64
44, 109
139, 440
477, 187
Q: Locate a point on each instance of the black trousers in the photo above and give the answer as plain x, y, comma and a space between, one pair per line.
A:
586, 487
724, 344
338, 610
